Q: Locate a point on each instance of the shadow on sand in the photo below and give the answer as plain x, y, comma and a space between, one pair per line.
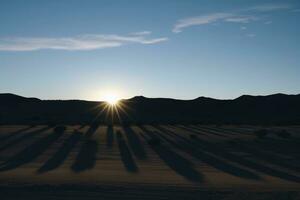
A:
179, 164
125, 154
23, 137
220, 151
61, 155
31, 152
199, 130
87, 155
109, 137
135, 143
269, 156
15, 133
194, 150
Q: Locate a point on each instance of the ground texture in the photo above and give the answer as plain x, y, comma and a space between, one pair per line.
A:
149, 162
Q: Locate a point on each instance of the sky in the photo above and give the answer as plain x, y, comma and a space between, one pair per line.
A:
73, 49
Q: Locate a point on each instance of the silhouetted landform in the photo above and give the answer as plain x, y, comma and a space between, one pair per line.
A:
273, 109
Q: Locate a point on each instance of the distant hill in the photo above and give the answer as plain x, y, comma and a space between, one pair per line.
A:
246, 109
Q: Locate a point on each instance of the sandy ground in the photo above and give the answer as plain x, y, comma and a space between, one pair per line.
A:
194, 162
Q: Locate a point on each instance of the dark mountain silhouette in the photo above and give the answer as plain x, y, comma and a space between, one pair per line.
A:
7, 98
246, 109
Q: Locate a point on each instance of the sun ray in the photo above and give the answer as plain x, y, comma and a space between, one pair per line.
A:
112, 109
111, 98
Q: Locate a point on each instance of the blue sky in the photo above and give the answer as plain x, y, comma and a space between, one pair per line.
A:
179, 49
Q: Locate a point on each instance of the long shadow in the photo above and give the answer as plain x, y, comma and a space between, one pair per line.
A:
190, 147
285, 149
186, 128
125, 154
248, 163
87, 155
86, 158
175, 161
237, 130
209, 130
82, 126
267, 156
109, 137
249, 128
135, 143
31, 152
219, 130
23, 138
9, 135
92, 129
244, 130
220, 151
262, 154
198, 131
280, 147
61, 155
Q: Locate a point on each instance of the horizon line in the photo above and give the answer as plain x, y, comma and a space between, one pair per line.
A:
142, 96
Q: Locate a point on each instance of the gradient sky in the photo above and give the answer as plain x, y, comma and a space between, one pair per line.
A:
180, 49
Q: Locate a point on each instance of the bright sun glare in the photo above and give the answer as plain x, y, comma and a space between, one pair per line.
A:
111, 98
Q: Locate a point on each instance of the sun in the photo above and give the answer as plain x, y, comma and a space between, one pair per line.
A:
111, 98
112, 106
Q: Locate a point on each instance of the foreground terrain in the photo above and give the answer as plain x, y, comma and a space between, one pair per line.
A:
149, 162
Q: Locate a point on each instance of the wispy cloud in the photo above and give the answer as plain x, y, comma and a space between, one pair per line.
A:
82, 42
251, 35
241, 16
296, 10
141, 33
210, 18
241, 19
199, 20
268, 22
270, 7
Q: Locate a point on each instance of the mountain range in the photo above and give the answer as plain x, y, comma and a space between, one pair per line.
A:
265, 110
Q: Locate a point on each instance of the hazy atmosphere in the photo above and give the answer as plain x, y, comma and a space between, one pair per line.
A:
177, 49
149, 99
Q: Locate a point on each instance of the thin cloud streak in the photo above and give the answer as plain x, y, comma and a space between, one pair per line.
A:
241, 16
199, 20
270, 7
296, 10
268, 22
210, 18
141, 33
82, 42
251, 35
241, 19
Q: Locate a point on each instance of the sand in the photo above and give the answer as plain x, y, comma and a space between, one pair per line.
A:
191, 161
